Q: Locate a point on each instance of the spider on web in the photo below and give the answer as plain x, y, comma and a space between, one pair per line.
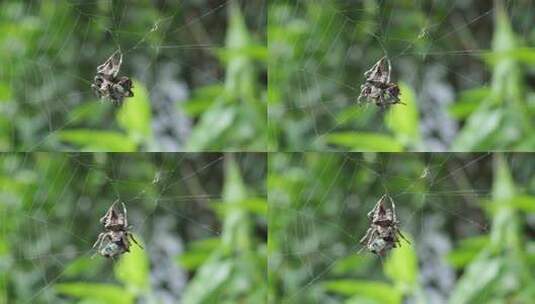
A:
116, 238
107, 85
383, 233
377, 87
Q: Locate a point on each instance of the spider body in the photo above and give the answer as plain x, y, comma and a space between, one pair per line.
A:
383, 233
377, 87
106, 84
115, 240
111, 250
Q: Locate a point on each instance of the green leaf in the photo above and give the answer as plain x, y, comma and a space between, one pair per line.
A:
209, 281
348, 114
207, 244
504, 38
257, 206
504, 223
361, 141
82, 266
96, 141
239, 74
5, 92
503, 186
105, 293
466, 251
521, 54
91, 113
135, 115
197, 253
402, 266
468, 102
351, 264
378, 291
404, 120
193, 259
234, 189
235, 223
480, 126
202, 99
525, 203
502, 120
213, 123
254, 51
133, 270
477, 281
361, 300
487, 276
232, 266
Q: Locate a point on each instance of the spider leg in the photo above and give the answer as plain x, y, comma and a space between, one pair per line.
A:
393, 209
126, 242
397, 100
403, 237
133, 239
366, 236
114, 203
389, 70
103, 218
364, 92
119, 63
396, 243
125, 217
110, 210
372, 212
382, 199
379, 205
367, 239
100, 239
372, 237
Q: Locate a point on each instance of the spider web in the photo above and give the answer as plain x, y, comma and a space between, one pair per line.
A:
327, 47
316, 223
171, 49
170, 204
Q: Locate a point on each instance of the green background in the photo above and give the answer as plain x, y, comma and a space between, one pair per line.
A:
198, 69
200, 217
469, 218
465, 69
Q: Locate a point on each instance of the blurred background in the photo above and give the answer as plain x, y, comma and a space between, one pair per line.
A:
198, 69
201, 219
470, 219
466, 70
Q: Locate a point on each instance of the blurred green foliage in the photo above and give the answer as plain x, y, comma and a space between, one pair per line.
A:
468, 217
201, 219
465, 68
198, 69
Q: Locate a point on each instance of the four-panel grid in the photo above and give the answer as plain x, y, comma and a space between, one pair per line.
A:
267, 151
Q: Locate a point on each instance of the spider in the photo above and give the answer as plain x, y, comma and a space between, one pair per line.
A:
116, 239
384, 231
107, 85
377, 86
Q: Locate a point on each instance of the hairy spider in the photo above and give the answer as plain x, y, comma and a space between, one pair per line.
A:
107, 85
384, 231
116, 238
377, 87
